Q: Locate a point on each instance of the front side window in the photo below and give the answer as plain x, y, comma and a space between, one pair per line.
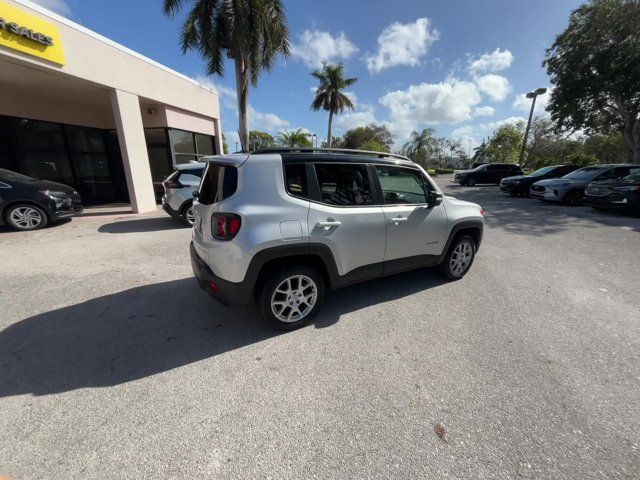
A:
401, 185
295, 177
345, 185
219, 182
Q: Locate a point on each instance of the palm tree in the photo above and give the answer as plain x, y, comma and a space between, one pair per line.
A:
480, 152
421, 145
294, 138
250, 32
329, 94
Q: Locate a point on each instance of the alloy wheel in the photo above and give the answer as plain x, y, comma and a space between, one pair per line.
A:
190, 216
461, 258
294, 298
26, 218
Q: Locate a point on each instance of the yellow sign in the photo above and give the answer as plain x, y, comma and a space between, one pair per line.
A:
29, 34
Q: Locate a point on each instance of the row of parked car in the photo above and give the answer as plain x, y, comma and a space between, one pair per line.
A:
605, 187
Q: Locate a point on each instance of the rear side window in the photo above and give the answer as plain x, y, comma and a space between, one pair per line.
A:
345, 185
219, 182
295, 179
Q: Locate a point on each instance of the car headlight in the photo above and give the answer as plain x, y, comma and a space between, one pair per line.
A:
61, 199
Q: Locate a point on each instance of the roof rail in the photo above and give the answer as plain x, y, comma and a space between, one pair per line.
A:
332, 150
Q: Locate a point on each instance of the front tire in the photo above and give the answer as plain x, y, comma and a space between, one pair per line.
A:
471, 182
26, 217
573, 198
459, 258
291, 297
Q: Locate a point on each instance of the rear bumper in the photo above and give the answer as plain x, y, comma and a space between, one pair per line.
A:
228, 293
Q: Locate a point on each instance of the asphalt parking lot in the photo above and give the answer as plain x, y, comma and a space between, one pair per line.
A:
113, 364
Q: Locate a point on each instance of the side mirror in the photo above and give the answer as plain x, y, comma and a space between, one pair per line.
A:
434, 199
196, 194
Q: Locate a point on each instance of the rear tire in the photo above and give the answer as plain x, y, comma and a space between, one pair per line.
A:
459, 258
25, 217
188, 217
291, 297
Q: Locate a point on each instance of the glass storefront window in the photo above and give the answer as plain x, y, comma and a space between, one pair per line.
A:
182, 141
204, 144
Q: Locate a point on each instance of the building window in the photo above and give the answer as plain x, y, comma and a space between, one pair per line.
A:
188, 147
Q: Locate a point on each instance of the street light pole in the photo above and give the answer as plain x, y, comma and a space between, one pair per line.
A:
533, 95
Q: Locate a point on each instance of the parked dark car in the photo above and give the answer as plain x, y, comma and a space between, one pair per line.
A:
520, 184
28, 204
487, 173
616, 194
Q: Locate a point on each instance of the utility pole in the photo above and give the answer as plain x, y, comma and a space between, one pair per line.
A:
533, 95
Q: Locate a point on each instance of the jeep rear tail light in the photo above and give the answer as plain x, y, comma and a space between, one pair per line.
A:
225, 226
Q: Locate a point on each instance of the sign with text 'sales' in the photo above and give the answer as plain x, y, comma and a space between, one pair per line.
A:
29, 34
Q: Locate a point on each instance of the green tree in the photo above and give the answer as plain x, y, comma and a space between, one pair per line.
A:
504, 144
329, 94
259, 140
225, 147
606, 148
379, 134
480, 152
294, 138
423, 147
252, 33
373, 145
594, 65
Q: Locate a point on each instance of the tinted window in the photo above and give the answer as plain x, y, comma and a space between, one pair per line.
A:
543, 171
344, 184
617, 172
401, 185
296, 180
219, 182
584, 173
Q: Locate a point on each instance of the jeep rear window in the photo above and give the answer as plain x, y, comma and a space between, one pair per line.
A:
295, 179
219, 182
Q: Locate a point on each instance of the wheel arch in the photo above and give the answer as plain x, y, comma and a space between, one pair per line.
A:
12, 203
473, 228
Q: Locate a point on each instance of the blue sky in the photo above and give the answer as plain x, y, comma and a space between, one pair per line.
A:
459, 66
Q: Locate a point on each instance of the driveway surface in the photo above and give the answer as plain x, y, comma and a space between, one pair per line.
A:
113, 364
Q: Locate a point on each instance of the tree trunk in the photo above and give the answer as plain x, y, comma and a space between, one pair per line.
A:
631, 134
242, 90
329, 137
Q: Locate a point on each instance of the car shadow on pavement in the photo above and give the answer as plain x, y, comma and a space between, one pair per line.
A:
147, 330
142, 225
531, 216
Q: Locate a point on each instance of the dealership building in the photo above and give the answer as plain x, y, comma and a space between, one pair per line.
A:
80, 109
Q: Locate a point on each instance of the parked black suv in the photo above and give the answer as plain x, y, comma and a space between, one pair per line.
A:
28, 204
487, 173
615, 194
520, 184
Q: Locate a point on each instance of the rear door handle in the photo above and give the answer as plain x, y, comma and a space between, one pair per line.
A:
327, 224
398, 219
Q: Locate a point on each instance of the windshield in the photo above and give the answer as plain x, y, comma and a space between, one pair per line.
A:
634, 177
542, 171
584, 173
14, 176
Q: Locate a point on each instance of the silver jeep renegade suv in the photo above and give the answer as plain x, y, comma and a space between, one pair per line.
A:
282, 227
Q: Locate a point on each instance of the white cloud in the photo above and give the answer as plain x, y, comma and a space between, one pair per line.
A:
491, 62
232, 139
524, 104
485, 111
226, 95
490, 127
451, 101
265, 121
361, 118
402, 44
315, 47
494, 86
58, 6
351, 96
